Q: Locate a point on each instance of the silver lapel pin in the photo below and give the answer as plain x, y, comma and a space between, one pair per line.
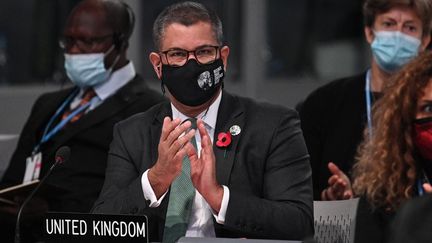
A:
235, 130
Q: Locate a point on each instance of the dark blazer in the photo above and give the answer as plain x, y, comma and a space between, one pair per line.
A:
266, 168
413, 221
371, 223
333, 118
81, 178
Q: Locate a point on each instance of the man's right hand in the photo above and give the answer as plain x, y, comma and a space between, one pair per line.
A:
171, 151
339, 185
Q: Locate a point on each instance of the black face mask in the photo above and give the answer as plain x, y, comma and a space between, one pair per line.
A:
193, 84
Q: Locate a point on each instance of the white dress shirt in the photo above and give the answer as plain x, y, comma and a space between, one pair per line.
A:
200, 222
118, 79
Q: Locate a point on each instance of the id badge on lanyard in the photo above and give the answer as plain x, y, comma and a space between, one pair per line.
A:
33, 166
34, 162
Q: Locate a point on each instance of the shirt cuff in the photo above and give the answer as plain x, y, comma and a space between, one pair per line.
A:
149, 194
220, 217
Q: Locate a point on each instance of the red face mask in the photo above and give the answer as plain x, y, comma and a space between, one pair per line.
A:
423, 137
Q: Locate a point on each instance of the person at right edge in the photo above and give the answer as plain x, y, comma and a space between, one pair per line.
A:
243, 172
395, 164
333, 117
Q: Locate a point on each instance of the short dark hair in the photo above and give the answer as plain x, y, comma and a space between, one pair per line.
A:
122, 20
186, 13
423, 8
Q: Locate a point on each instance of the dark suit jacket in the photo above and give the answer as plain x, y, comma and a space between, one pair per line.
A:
371, 223
333, 118
266, 169
413, 221
81, 178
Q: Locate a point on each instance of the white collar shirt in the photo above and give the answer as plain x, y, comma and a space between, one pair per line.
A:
118, 79
200, 221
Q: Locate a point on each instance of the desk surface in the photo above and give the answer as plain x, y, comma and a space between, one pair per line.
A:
228, 240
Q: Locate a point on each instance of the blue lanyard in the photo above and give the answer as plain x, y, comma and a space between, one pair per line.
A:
368, 103
48, 134
420, 182
420, 187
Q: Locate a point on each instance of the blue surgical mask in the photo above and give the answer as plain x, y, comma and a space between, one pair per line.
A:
393, 49
88, 70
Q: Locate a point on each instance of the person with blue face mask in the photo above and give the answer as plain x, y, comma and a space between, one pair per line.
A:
106, 90
335, 115
393, 49
88, 70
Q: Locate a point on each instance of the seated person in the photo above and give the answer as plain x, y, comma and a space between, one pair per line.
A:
334, 116
242, 172
412, 222
394, 164
106, 90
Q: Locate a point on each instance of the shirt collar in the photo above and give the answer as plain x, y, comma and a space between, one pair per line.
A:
117, 80
209, 116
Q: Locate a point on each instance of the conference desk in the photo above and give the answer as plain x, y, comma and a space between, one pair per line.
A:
81, 227
229, 240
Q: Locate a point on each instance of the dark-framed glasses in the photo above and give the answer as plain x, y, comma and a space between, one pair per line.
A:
204, 55
84, 44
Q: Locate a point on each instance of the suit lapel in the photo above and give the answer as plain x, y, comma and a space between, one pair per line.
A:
50, 107
114, 104
156, 128
230, 113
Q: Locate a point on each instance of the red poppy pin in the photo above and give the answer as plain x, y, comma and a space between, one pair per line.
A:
223, 139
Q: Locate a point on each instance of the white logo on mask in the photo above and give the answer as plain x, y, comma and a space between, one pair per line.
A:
218, 74
204, 80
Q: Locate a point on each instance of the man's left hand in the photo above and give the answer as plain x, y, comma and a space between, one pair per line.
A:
203, 169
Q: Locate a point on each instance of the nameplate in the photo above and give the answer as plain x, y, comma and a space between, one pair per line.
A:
80, 227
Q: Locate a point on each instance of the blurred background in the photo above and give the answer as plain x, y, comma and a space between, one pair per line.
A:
281, 50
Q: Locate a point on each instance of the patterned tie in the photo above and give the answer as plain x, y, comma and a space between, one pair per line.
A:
86, 98
180, 200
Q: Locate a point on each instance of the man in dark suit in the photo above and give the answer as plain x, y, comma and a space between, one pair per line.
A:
95, 42
242, 172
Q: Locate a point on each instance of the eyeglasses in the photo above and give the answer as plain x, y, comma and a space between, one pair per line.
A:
178, 57
84, 44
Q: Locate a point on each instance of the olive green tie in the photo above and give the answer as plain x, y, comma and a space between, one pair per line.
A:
180, 200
